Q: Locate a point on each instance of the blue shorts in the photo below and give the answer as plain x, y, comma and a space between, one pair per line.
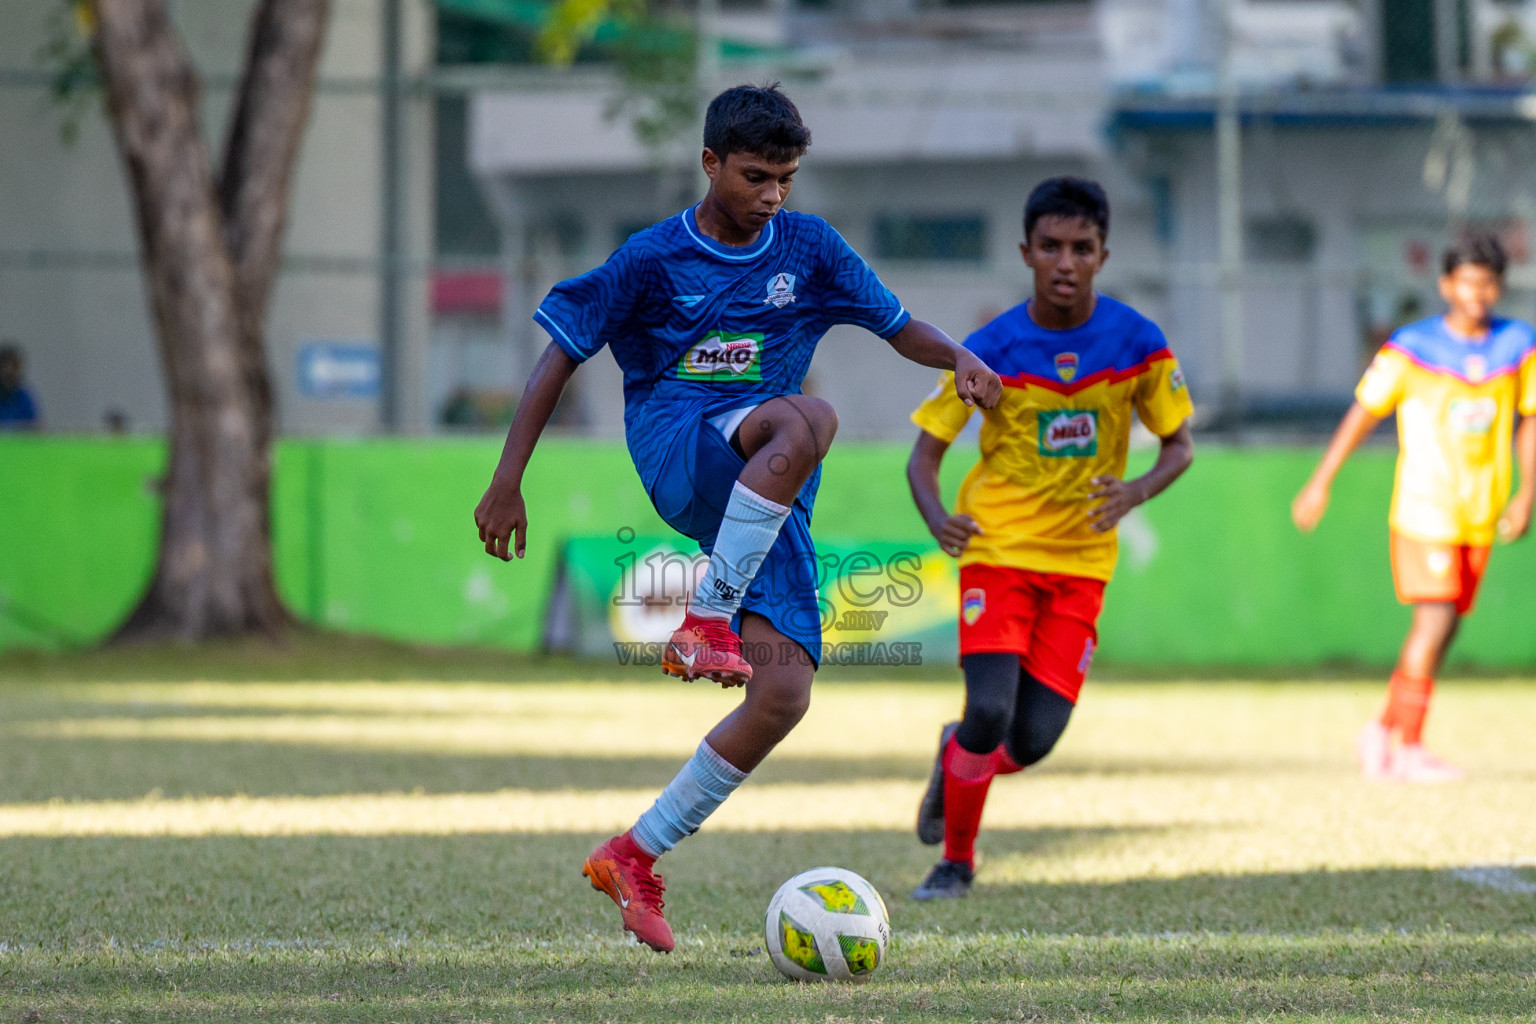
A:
691, 491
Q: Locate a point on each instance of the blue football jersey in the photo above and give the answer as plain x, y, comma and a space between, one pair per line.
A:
700, 328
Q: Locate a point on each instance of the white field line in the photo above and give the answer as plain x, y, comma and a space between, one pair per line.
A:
1501, 877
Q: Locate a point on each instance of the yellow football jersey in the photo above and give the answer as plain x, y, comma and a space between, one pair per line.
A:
1456, 402
1065, 418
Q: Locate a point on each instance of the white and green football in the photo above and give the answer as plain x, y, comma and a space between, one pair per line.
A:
827, 924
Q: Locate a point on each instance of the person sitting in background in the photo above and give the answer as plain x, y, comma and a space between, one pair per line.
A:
18, 411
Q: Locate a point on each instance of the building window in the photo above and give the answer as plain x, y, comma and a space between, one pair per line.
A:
948, 238
1279, 240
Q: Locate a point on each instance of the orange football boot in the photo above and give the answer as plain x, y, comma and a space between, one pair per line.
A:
630, 882
706, 649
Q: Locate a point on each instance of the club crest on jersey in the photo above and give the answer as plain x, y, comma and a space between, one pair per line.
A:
972, 603
1068, 433
724, 357
781, 291
1066, 366
1475, 368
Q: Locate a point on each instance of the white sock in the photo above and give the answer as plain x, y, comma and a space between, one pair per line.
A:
750, 526
703, 784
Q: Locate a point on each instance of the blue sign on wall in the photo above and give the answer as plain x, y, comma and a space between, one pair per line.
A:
329, 369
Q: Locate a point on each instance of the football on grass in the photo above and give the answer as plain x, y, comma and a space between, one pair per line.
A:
827, 924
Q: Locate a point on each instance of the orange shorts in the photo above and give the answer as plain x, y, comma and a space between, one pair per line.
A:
1424, 571
1050, 620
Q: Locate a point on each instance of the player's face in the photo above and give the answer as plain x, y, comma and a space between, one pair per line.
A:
1065, 253
1471, 290
749, 189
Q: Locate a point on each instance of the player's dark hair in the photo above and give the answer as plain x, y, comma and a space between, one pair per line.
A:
1068, 197
755, 119
1479, 250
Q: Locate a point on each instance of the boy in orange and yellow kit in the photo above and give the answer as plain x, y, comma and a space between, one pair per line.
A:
1456, 382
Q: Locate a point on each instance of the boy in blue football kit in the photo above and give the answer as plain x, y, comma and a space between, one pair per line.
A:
713, 316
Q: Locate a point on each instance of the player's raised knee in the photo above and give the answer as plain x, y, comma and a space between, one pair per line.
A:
820, 417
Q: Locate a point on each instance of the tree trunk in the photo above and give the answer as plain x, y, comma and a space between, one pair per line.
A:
210, 252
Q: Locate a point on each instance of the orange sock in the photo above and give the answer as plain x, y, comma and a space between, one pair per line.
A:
1407, 704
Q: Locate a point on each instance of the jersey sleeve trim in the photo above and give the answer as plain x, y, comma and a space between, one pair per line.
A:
558, 335
895, 324
931, 422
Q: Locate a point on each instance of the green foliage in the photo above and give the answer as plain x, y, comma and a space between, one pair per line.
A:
67, 55
655, 50
658, 70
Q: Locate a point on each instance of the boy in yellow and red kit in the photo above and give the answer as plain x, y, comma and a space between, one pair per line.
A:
1034, 525
1456, 382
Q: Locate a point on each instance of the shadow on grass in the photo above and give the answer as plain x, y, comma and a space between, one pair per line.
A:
36, 768
313, 654
63, 891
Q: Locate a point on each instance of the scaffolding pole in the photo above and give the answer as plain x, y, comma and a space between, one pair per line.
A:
1229, 221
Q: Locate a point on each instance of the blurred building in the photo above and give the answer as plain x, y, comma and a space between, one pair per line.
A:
1369, 132
449, 177
70, 288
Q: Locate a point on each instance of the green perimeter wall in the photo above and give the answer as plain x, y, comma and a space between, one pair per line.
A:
377, 536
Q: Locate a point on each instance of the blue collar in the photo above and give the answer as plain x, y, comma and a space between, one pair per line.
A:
736, 254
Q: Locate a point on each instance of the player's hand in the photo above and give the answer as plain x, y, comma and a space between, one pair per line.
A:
1308, 508
975, 382
1116, 498
1516, 519
954, 532
500, 516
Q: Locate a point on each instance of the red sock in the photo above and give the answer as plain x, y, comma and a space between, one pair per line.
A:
625, 846
1407, 704
966, 778
1003, 763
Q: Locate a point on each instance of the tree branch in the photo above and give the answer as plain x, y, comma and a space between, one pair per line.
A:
262, 146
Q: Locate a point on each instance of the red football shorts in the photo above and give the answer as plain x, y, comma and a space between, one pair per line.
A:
1049, 619
1425, 571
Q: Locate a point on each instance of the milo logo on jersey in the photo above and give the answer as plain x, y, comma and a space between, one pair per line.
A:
1474, 415
1068, 433
724, 356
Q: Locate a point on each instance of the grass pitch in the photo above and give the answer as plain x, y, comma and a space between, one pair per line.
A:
303, 850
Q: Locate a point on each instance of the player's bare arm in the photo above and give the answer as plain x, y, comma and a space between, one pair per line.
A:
926, 345
1516, 519
1312, 501
501, 513
1117, 497
953, 532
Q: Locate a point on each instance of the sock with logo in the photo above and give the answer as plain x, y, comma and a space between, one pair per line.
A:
967, 776
747, 530
1407, 704
703, 784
